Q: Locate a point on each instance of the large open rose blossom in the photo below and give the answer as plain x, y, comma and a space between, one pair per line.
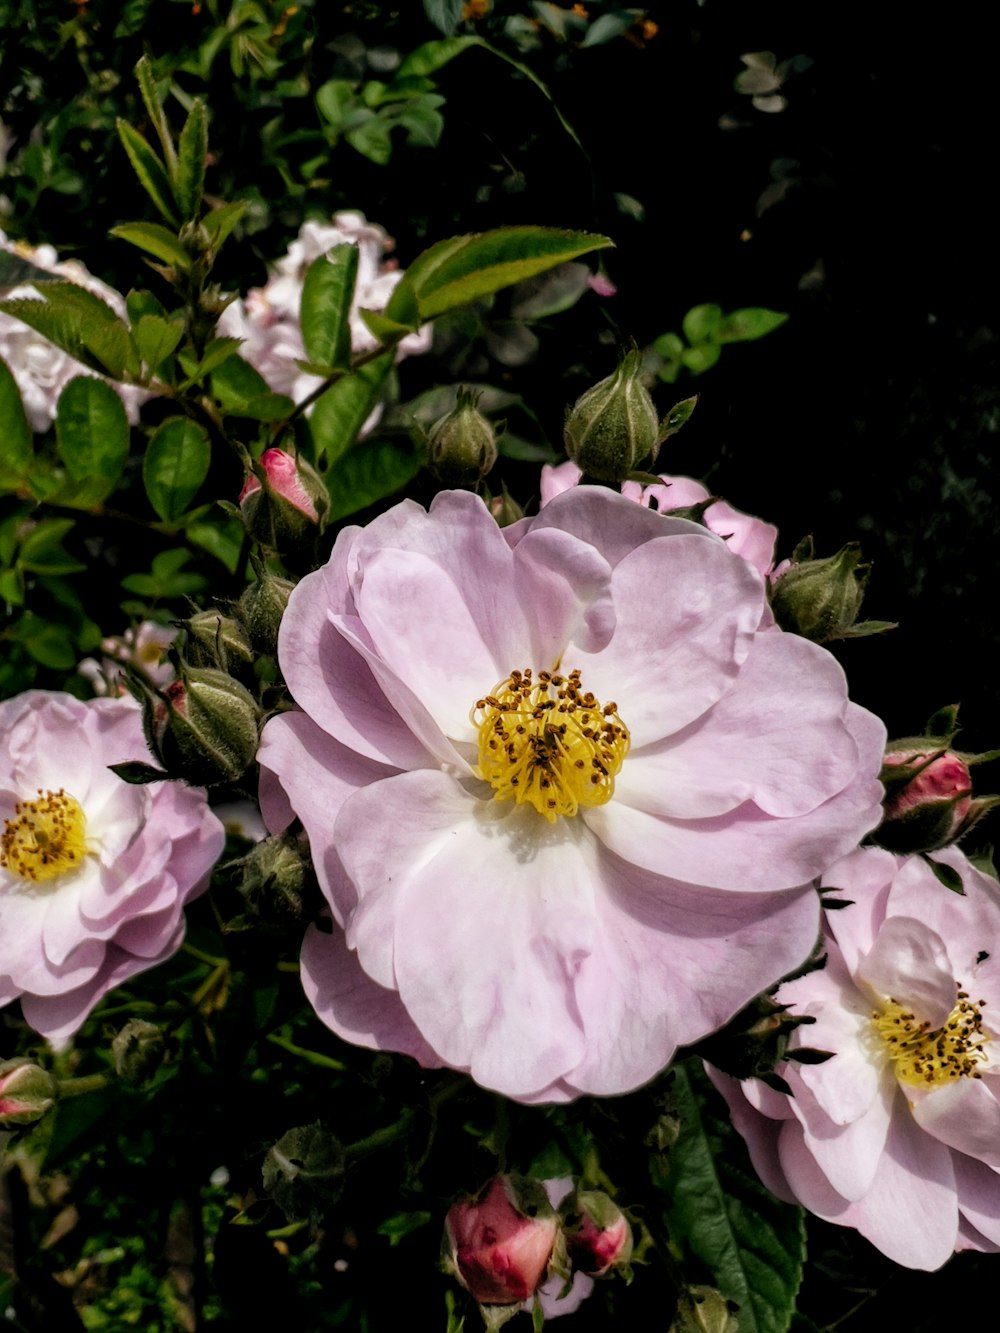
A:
94, 873
564, 798
898, 1134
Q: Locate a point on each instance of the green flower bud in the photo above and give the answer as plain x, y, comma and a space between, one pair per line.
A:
204, 727
261, 607
26, 1093
304, 1172
505, 510
704, 1310
613, 425
277, 879
461, 447
215, 640
138, 1051
820, 599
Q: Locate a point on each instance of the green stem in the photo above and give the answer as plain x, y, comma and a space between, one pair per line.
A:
311, 1057
203, 957
79, 1087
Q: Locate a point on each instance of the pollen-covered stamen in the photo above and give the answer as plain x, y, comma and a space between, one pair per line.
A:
46, 837
932, 1057
549, 743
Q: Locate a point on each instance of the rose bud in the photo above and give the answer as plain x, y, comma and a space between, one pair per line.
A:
216, 640
286, 503
203, 728
820, 599
928, 799
504, 509
138, 1051
704, 1310
461, 447
598, 1236
499, 1242
26, 1093
261, 607
613, 425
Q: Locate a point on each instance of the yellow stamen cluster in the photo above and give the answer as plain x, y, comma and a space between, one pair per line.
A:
926, 1057
548, 743
46, 837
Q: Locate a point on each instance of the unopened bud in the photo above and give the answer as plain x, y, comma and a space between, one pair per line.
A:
26, 1093
499, 1242
287, 507
704, 1310
203, 727
613, 425
820, 599
138, 1051
304, 1172
756, 1039
461, 447
598, 1236
277, 879
261, 608
215, 640
505, 510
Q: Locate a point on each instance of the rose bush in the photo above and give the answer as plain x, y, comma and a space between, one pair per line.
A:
898, 1134
672, 784
94, 873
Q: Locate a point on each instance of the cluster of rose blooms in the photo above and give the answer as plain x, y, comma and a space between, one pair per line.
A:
570, 793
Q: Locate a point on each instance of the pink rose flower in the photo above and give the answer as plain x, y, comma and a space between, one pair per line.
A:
749, 537
898, 1134
551, 882
283, 476
94, 872
500, 1241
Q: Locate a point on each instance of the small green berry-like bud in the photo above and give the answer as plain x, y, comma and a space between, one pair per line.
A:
461, 447
304, 1172
203, 727
138, 1051
26, 1093
613, 425
704, 1310
820, 599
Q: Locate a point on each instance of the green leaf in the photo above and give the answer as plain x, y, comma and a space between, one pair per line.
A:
702, 323
51, 646
16, 454
720, 1214
154, 240
606, 28
221, 538
167, 577
156, 339
432, 56
341, 412
371, 472
113, 348
334, 100
403, 308
190, 180
946, 875
150, 171
135, 772
463, 269
93, 438
701, 358
444, 14
12, 587
325, 310
154, 109
139, 303
372, 138
221, 221
677, 418
218, 351
59, 324
175, 465
42, 550
386, 330
399, 1226
423, 122
235, 382
746, 325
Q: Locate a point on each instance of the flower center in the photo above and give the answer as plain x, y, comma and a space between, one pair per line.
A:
547, 743
46, 837
926, 1057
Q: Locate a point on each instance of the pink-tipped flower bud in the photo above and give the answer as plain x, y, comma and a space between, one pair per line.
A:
928, 799
499, 1242
204, 727
287, 505
26, 1093
598, 1236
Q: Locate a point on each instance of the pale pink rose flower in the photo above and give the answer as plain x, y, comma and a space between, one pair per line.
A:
143, 649
554, 956
94, 872
898, 1134
268, 319
749, 537
40, 368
